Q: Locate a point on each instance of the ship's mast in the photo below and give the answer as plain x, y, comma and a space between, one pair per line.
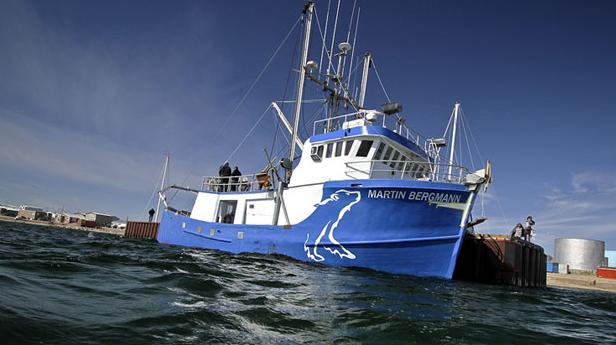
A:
364, 80
162, 186
308, 11
452, 148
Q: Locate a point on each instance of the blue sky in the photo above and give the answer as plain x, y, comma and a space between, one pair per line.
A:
92, 94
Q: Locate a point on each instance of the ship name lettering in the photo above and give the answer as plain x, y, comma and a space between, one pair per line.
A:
414, 195
386, 194
434, 197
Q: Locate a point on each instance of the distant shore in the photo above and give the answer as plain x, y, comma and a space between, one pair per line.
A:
579, 281
104, 230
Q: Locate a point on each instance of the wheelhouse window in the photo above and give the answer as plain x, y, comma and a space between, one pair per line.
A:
364, 148
388, 153
379, 151
347, 146
317, 153
338, 150
226, 211
328, 151
402, 162
394, 159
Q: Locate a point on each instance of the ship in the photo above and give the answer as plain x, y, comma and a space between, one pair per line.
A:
364, 190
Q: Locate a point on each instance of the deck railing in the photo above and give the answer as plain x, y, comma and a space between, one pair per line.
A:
406, 170
390, 122
243, 183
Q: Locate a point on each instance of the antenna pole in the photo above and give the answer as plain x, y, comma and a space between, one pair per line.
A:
353, 48
162, 186
302, 75
323, 46
452, 148
364, 81
331, 49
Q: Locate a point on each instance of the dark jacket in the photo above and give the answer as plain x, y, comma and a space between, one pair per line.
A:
225, 170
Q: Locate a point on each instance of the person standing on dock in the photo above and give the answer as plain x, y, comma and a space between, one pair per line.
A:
517, 231
151, 213
529, 232
224, 172
235, 178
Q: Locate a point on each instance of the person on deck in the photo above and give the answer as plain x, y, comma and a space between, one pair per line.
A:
224, 172
151, 213
529, 232
235, 178
517, 231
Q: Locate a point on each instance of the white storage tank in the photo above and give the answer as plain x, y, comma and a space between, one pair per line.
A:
579, 253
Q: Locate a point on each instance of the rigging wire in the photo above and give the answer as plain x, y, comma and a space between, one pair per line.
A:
331, 49
314, 115
145, 209
351, 21
330, 64
465, 137
498, 202
326, 25
249, 132
353, 48
284, 95
254, 83
348, 38
376, 71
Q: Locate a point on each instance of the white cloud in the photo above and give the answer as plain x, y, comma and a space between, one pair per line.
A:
77, 156
586, 209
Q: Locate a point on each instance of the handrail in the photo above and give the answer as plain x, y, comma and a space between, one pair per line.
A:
242, 183
163, 198
407, 170
377, 119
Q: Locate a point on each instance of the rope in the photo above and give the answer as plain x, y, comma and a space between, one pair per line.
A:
249, 133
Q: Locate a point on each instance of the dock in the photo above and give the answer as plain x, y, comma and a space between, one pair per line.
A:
498, 259
141, 230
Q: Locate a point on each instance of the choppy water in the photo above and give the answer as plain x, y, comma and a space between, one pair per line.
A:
68, 287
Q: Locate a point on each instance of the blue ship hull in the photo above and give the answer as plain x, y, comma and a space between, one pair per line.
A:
395, 226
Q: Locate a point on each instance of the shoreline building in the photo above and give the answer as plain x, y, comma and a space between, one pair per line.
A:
8, 211
32, 213
100, 219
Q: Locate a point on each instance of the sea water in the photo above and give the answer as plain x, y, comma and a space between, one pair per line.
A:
62, 286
